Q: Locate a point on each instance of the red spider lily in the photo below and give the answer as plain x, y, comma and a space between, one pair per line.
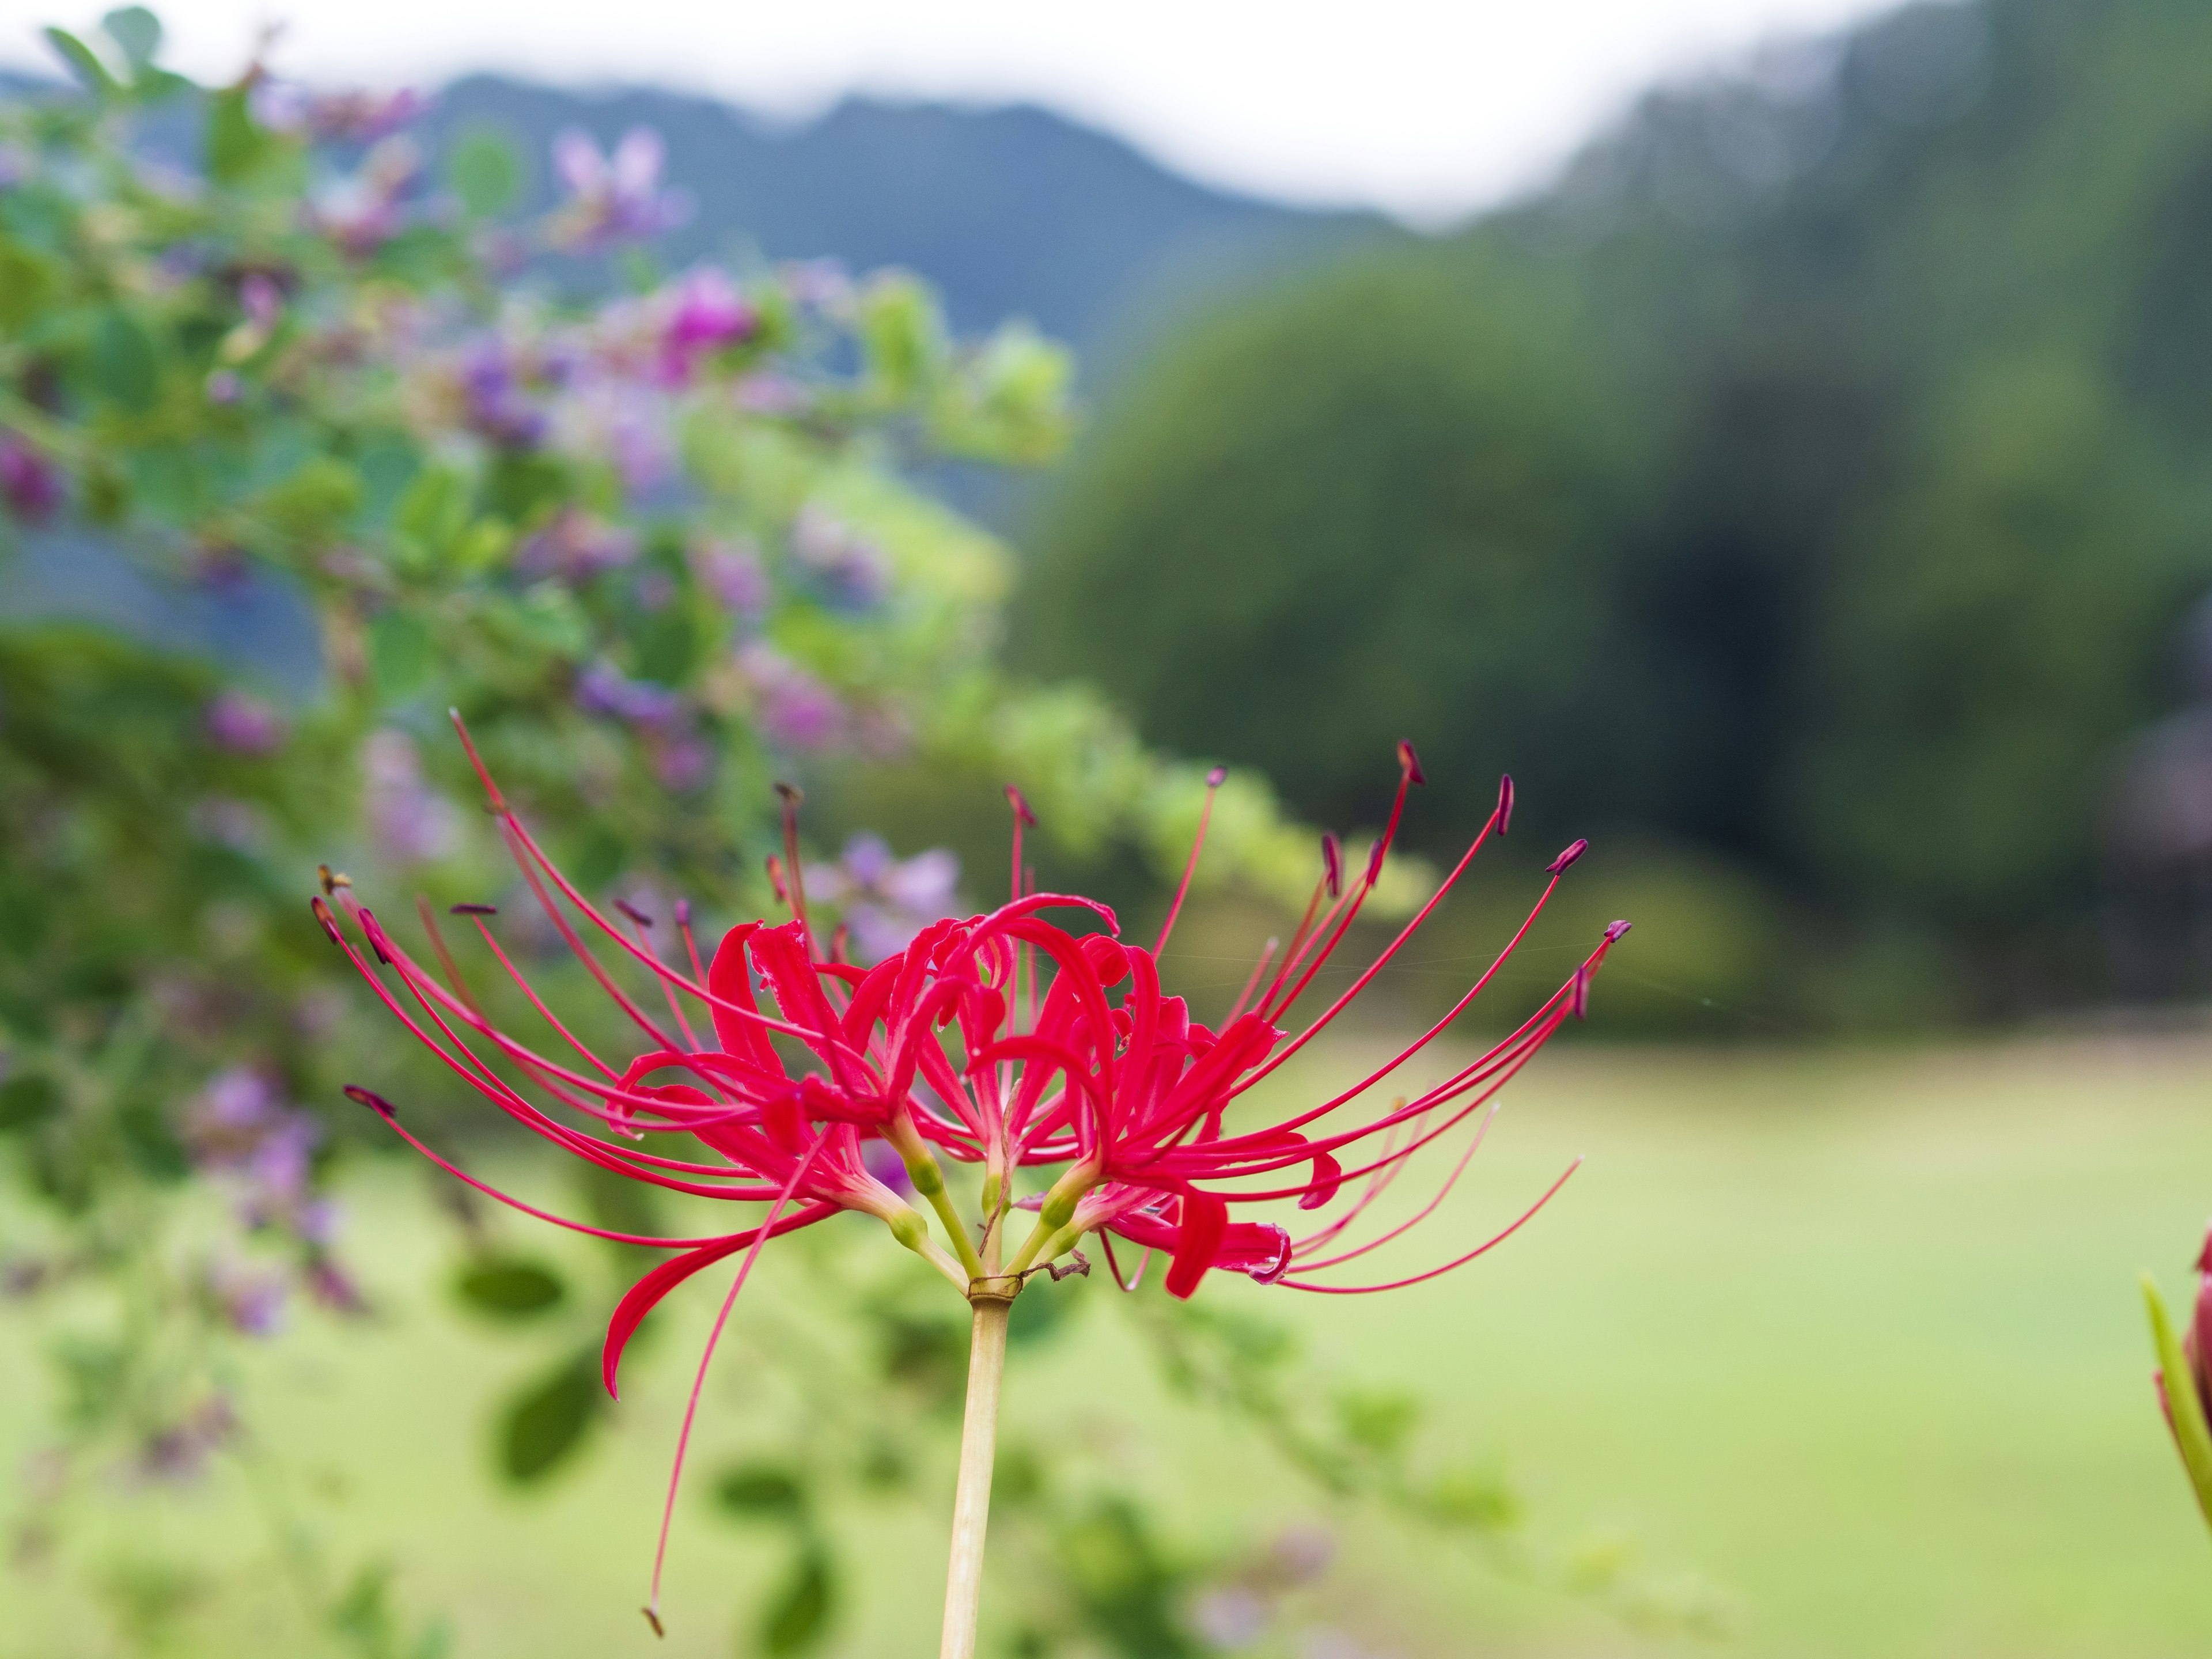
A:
1004, 1040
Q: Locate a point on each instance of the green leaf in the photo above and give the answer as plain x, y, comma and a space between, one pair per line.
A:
435, 508
902, 336
137, 31
797, 1617
26, 279
83, 61
316, 500
125, 365
508, 1287
2184, 1406
761, 1492
1476, 1499
484, 170
482, 545
236, 144
399, 653
543, 1426
28, 1099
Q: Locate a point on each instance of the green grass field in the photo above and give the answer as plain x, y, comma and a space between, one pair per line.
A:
1854, 1336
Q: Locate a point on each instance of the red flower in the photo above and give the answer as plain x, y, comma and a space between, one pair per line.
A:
1006, 1039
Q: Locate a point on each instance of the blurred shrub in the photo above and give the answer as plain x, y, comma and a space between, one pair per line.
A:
1808, 479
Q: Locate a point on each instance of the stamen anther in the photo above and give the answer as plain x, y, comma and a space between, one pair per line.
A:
1505, 803
1566, 858
375, 1102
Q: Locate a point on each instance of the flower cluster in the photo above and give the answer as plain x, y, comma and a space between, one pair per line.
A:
613, 198
242, 1134
1032, 1042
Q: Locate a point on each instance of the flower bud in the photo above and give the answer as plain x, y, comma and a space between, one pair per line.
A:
910, 1229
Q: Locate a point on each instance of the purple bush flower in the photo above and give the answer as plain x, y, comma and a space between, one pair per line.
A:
493, 404
363, 211
31, 488
794, 711
355, 117
243, 725
614, 198
846, 569
409, 822
576, 546
181, 1451
240, 1130
251, 1300
602, 688
706, 313
733, 574
887, 901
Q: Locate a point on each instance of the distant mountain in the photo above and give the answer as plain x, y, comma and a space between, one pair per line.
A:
1010, 212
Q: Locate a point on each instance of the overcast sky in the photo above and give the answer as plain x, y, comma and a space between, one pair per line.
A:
1424, 108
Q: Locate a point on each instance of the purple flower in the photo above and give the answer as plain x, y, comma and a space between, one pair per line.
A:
180, 1451
252, 1302
493, 401
331, 1286
848, 570
409, 822
242, 724
362, 212
887, 901
614, 197
261, 299
240, 1128
681, 760
707, 313
576, 546
794, 710
602, 688
732, 573
881, 1159
31, 488
355, 117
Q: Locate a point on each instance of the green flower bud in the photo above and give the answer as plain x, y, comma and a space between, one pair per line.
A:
910, 1229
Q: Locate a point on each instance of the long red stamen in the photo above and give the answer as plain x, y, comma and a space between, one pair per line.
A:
1213, 781
1483, 1248
699, 1381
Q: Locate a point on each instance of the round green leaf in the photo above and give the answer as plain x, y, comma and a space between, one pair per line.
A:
542, 1426
797, 1616
506, 1287
761, 1491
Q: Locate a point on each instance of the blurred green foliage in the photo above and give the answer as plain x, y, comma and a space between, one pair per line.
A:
1813, 478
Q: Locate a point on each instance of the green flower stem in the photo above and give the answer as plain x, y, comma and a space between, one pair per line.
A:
929, 1181
979, 1438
